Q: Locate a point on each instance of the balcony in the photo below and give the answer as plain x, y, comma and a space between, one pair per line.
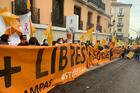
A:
98, 3
35, 15
119, 35
102, 6
120, 14
120, 24
81, 25
89, 25
99, 28
95, 2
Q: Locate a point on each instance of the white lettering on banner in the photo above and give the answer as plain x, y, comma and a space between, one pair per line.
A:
74, 73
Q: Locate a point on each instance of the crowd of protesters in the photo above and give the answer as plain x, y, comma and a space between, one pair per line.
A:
4, 39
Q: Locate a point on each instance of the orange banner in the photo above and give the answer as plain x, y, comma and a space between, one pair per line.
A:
97, 57
31, 69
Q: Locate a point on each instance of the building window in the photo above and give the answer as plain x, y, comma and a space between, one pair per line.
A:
98, 20
58, 13
77, 11
98, 26
35, 12
89, 17
120, 30
89, 20
13, 6
17, 9
120, 20
20, 7
120, 10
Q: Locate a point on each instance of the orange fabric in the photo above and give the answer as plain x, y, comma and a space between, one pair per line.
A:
40, 68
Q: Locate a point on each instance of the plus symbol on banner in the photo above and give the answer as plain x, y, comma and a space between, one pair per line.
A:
8, 71
26, 26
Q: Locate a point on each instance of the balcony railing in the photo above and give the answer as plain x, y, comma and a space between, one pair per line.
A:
99, 28
120, 24
35, 15
102, 6
98, 3
95, 2
119, 35
89, 25
120, 14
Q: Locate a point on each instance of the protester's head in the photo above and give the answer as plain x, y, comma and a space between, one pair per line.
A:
23, 39
60, 40
33, 41
65, 41
110, 40
45, 42
4, 38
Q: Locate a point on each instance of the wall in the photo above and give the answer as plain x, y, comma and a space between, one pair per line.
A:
61, 33
6, 4
45, 7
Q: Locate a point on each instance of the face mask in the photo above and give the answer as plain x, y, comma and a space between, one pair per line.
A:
61, 42
46, 42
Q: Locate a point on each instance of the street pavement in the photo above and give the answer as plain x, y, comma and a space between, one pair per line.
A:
122, 76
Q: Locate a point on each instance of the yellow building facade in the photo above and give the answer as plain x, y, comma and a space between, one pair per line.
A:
91, 13
95, 11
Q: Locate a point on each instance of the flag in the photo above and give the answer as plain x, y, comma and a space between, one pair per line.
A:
120, 43
3, 10
8, 17
32, 29
125, 45
117, 44
103, 42
89, 33
25, 23
134, 45
13, 29
113, 39
28, 4
82, 38
49, 35
96, 45
19, 4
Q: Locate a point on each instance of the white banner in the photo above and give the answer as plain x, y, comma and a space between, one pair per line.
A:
25, 23
2, 26
14, 39
71, 27
72, 23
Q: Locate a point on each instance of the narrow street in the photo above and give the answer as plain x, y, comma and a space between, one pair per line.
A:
118, 77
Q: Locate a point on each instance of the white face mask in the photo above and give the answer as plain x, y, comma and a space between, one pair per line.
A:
46, 42
61, 42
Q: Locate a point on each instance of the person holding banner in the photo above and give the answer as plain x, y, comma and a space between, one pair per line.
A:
45, 42
23, 41
137, 54
33, 41
60, 41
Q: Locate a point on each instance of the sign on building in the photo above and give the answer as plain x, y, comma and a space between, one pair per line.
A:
71, 27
